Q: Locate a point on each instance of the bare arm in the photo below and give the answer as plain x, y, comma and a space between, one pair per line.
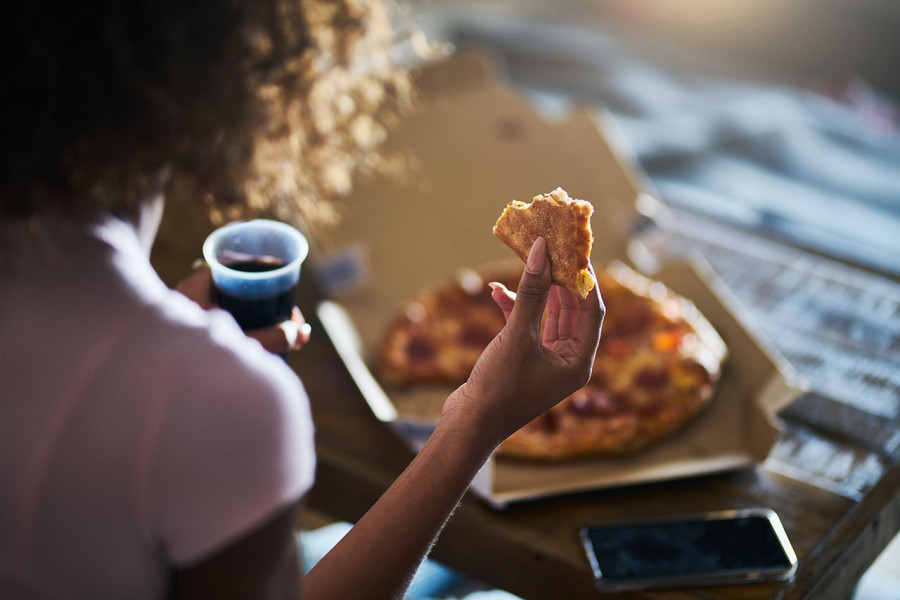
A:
521, 374
379, 556
263, 565
376, 559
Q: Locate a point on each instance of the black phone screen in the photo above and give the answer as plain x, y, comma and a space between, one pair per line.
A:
687, 548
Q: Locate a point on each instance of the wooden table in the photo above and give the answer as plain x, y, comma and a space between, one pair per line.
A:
834, 478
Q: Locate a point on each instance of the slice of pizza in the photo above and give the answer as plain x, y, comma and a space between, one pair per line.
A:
566, 225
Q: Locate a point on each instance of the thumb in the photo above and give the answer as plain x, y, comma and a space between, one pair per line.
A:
533, 290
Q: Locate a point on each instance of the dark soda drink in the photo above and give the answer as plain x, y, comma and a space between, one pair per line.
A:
255, 267
258, 312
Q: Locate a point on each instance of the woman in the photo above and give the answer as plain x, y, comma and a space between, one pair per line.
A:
148, 448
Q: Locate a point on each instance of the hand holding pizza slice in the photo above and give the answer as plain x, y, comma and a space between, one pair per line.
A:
656, 366
526, 369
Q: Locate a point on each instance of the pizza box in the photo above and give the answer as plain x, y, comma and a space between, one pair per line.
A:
472, 145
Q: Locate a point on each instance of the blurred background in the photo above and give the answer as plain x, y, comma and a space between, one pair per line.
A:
778, 116
779, 119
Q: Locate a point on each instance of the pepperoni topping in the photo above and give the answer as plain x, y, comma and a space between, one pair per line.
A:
421, 349
651, 407
636, 320
651, 378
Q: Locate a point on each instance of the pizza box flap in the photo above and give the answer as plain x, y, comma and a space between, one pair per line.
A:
467, 156
470, 149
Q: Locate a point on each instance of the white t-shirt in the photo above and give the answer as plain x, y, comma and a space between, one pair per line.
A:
137, 431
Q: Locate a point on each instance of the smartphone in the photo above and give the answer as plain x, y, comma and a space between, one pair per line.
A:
691, 550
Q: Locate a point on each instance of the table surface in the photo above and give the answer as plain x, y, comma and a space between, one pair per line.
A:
834, 477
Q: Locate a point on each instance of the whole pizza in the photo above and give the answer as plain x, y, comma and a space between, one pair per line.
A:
656, 367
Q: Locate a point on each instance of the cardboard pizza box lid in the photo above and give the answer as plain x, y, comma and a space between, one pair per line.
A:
473, 145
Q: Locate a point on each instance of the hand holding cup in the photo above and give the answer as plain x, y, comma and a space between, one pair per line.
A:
252, 270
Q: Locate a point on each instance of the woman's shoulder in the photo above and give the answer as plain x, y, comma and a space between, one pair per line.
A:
209, 354
222, 384
234, 441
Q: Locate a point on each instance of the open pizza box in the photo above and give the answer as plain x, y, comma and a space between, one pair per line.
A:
471, 146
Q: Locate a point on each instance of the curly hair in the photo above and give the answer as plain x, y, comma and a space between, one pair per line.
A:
259, 106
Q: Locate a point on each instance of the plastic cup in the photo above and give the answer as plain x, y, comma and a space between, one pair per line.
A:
255, 269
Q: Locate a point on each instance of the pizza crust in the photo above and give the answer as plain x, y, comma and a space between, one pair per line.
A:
565, 223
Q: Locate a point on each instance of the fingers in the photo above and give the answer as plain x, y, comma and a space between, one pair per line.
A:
304, 330
575, 322
504, 298
563, 312
590, 313
569, 309
533, 290
285, 336
551, 323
